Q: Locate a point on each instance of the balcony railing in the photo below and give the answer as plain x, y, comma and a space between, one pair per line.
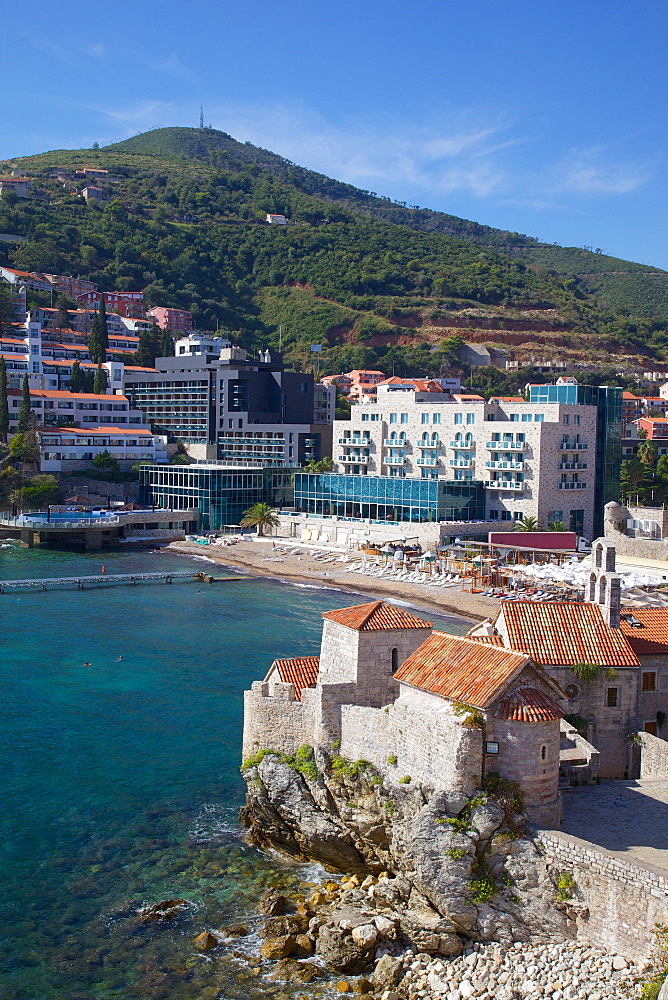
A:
353, 459
462, 445
429, 444
504, 465
506, 445
573, 446
428, 461
461, 463
395, 442
395, 460
572, 486
365, 442
573, 466
503, 484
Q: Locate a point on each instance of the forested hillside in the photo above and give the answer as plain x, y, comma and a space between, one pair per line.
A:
369, 280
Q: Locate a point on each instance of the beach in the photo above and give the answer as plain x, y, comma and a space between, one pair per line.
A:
259, 558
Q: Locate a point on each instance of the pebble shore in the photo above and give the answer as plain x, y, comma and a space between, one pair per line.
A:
565, 971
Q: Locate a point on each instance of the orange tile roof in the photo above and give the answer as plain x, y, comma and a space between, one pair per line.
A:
651, 639
528, 704
62, 394
85, 431
461, 669
375, 617
491, 640
302, 671
565, 634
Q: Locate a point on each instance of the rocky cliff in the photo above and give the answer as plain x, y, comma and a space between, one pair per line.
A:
442, 869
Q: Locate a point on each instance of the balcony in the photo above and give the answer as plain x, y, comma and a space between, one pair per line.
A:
462, 445
364, 442
573, 446
573, 466
504, 465
572, 486
461, 463
503, 484
430, 444
395, 442
395, 460
428, 461
506, 445
353, 459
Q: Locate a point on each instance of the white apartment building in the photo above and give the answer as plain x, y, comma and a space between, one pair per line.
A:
533, 459
72, 449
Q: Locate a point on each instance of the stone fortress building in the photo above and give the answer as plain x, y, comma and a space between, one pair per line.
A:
445, 710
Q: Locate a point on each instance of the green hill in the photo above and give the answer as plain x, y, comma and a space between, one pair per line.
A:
373, 281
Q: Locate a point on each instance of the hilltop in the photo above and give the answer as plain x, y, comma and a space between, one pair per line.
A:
373, 281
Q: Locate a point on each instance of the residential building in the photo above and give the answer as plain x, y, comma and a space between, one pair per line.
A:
11, 276
655, 406
58, 408
20, 186
276, 220
173, 320
93, 194
71, 449
73, 287
221, 492
130, 304
228, 407
656, 429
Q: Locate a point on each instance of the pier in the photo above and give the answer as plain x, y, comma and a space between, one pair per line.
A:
81, 582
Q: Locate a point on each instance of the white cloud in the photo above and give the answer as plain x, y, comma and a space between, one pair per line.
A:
591, 172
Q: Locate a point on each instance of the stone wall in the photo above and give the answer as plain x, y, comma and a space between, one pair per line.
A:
431, 745
617, 902
615, 529
653, 757
274, 720
73, 486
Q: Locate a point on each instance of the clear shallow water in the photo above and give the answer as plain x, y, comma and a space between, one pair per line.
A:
120, 781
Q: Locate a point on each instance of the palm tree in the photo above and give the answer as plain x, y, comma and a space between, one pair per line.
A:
324, 465
556, 526
527, 523
259, 516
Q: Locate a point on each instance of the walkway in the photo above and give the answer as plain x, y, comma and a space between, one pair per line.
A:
628, 818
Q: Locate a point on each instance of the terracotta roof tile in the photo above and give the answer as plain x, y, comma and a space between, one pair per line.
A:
376, 616
302, 671
491, 640
651, 637
528, 704
461, 669
565, 634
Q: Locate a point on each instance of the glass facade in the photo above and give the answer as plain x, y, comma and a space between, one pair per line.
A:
382, 498
608, 402
221, 494
177, 408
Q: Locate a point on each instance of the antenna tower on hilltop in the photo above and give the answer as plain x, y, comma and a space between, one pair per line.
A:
201, 117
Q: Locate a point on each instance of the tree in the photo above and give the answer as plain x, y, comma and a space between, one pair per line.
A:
260, 516
24, 410
149, 347
527, 523
648, 452
556, 526
39, 492
324, 465
76, 377
24, 447
4, 405
87, 380
6, 308
100, 384
62, 320
107, 465
662, 467
166, 345
98, 339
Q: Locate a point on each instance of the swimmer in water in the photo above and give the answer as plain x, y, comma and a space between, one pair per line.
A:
87, 664
119, 659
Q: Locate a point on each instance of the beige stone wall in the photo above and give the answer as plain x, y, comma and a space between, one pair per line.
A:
430, 743
624, 900
274, 720
653, 757
529, 755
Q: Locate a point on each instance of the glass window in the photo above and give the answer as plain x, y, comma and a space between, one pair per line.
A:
458, 418
470, 418
566, 419
436, 418
612, 697
375, 416
425, 418
576, 419
526, 417
515, 417
404, 418
365, 416
539, 417
520, 437
393, 418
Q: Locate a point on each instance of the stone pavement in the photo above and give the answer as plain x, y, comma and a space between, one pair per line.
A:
628, 818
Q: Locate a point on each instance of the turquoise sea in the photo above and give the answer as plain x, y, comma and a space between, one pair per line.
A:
120, 780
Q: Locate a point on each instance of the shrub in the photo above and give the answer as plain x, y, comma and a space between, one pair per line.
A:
406, 780
456, 853
256, 759
565, 886
507, 793
392, 759
586, 672
473, 717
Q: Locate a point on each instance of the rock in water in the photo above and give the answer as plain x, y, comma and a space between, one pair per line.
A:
273, 904
278, 947
205, 941
164, 910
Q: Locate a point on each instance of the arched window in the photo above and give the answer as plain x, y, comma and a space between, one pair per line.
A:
395, 660
469, 439
425, 436
434, 438
393, 436
458, 436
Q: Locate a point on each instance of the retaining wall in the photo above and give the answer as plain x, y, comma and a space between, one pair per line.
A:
624, 899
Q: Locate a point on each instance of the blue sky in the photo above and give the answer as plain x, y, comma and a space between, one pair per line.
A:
543, 116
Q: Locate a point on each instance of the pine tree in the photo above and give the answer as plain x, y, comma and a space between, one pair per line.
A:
87, 380
100, 384
76, 377
166, 345
6, 308
98, 340
24, 410
149, 347
4, 405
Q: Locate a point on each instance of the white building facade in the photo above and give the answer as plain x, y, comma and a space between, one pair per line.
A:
533, 459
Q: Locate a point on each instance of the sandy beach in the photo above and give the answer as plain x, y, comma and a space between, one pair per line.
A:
259, 558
